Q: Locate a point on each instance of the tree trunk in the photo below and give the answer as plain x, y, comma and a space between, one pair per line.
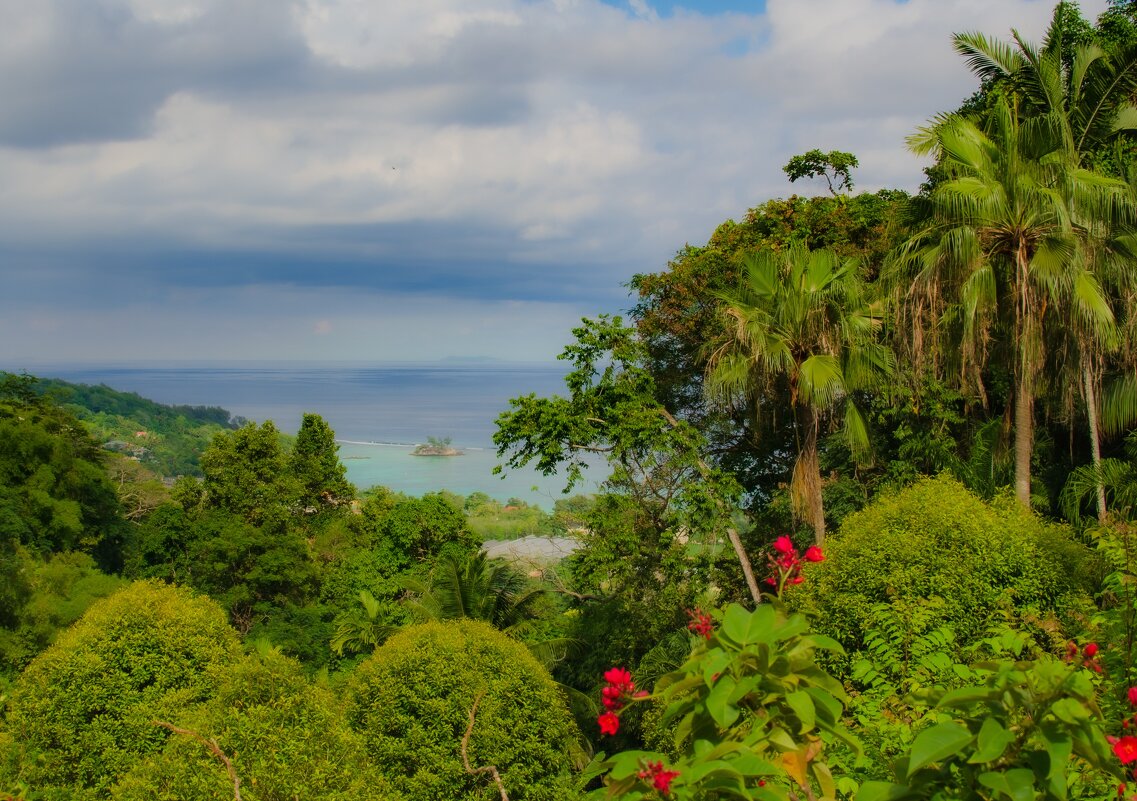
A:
805, 487
744, 561
1024, 382
1095, 443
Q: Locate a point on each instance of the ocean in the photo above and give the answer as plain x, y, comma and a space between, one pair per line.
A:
379, 413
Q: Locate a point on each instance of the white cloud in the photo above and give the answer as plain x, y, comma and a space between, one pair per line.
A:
564, 135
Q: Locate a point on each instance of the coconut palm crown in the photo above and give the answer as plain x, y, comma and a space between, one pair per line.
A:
800, 325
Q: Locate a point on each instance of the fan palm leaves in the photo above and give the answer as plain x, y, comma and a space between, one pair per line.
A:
364, 628
1043, 239
1003, 247
1117, 478
800, 323
1083, 101
474, 587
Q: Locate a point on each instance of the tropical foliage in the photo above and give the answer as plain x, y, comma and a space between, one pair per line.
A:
940, 385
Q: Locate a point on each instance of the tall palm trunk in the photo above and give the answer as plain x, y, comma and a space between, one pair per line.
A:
1024, 380
805, 487
1095, 439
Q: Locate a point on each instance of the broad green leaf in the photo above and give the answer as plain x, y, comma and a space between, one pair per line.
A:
823, 643
824, 778
1059, 747
1016, 784
719, 705
1069, 711
883, 791
993, 741
965, 696
936, 743
828, 708
746, 627
750, 764
802, 705
714, 662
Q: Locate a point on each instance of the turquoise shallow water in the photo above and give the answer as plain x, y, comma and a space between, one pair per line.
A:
399, 405
395, 467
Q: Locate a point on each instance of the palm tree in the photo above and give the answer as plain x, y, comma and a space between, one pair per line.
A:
474, 587
1003, 245
1082, 98
364, 628
800, 323
491, 590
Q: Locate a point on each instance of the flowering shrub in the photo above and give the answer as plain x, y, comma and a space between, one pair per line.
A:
1125, 747
785, 563
1027, 730
753, 713
617, 690
756, 718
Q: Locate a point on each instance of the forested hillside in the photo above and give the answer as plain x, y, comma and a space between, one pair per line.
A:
165, 439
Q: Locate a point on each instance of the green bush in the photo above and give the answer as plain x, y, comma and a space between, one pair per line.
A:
81, 714
991, 563
61, 590
287, 739
412, 699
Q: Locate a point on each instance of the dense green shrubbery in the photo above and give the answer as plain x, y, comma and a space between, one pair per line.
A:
80, 715
287, 739
59, 591
412, 699
989, 562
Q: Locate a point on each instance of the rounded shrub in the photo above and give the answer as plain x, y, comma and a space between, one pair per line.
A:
82, 712
286, 737
412, 699
988, 562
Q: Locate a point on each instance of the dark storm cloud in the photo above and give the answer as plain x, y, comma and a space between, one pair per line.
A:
98, 72
95, 71
410, 258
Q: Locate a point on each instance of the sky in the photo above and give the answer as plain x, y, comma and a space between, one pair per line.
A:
378, 180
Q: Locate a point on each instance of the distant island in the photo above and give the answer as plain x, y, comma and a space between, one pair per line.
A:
436, 447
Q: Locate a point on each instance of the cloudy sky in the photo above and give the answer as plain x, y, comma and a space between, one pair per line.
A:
419, 179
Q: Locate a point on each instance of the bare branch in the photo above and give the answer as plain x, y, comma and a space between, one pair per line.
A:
732, 534
593, 448
213, 747
490, 769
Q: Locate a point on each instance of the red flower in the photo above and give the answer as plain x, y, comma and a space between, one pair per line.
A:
814, 554
609, 723
660, 779
701, 623
619, 686
1126, 749
1091, 650
618, 677
784, 545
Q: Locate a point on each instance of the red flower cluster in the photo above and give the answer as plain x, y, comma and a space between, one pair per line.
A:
614, 695
785, 562
660, 779
1124, 748
701, 623
1089, 656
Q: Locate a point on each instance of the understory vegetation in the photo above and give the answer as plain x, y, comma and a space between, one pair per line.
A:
868, 530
